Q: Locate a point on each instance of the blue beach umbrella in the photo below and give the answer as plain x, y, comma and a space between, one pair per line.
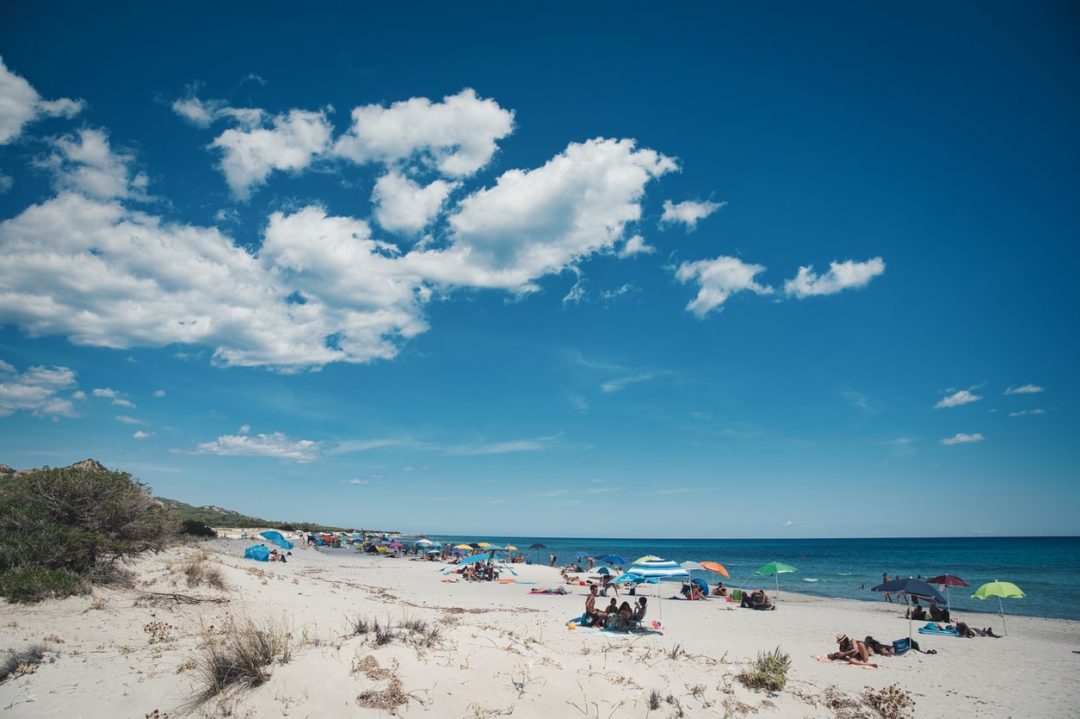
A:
276, 538
911, 588
611, 559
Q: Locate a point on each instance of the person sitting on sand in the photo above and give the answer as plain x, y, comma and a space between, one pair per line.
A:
612, 607
756, 599
851, 651
938, 614
592, 616
639, 609
695, 592
720, 590
625, 615
916, 612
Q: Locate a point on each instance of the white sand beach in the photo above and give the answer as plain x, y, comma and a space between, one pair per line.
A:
499, 651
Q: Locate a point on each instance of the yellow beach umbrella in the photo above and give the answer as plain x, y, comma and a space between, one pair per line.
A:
511, 548
483, 544
466, 547
647, 558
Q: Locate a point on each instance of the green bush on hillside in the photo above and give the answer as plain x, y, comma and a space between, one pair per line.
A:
196, 528
60, 527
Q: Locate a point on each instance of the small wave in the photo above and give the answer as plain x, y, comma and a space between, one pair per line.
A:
846, 574
811, 579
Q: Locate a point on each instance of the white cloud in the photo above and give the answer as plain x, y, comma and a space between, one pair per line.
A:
139, 434
6, 183
961, 438
457, 136
159, 393
263, 445
20, 104
319, 289
957, 398
536, 222
79, 395
401, 204
621, 291
125, 419
508, 447
355, 482
250, 154
688, 212
245, 429
717, 280
636, 246
1025, 389
621, 383
841, 276
35, 391
85, 163
202, 113
1026, 412
121, 402
105, 393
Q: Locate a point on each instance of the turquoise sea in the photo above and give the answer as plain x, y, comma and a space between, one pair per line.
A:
1046, 568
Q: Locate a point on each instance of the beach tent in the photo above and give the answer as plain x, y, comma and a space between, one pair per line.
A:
775, 569
1006, 590
911, 588
259, 553
276, 538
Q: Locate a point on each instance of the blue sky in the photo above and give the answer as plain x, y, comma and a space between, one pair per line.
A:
564, 270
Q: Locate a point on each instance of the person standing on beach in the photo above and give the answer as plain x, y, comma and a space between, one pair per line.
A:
554, 559
885, 580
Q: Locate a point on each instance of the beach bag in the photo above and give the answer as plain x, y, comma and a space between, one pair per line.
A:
902, 645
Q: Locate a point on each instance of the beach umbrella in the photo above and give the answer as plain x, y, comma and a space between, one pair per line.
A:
463, 547
395, 545
611, 559
947, 580
716, 567
537, 546
1001, 590
646, 558
276, 538
691, 566
483, 545
424, 542
911, 588
473, 559
510, 548
775, 569
604, 570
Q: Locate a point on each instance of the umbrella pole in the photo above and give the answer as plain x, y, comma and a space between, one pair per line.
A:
1001, 608
777, 578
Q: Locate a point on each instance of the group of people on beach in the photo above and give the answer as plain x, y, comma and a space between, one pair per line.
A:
616, 616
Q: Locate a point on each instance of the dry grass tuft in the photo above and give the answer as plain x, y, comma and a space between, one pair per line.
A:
769, 671
197, 571
239, 655
24, 661
388, 699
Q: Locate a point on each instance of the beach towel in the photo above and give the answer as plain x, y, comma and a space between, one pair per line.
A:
932, 629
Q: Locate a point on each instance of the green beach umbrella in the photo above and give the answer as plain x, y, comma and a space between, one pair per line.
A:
1001, 590
775, 569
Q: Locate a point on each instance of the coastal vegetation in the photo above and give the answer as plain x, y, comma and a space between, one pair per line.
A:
63, 529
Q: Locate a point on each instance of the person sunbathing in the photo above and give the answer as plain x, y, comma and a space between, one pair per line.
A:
877, 647
851, 651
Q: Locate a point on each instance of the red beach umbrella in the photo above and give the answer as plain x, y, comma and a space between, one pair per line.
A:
948, 580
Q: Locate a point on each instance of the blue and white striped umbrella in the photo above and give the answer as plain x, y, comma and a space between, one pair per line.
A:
658, 568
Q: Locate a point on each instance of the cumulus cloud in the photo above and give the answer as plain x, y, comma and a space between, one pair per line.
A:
159, 393
457, 136
139, 434
841, 276
689, 212
35, 391
717, 280
320, 288
263, 445
21, 104
535, 222
636, 246
85, 163
1025, 389
250, 154
403, 205
202, 113
957, 398
961, 438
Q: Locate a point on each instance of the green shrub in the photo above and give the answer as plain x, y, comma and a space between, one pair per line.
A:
768, 672
196, 528
61, 527
33, 585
